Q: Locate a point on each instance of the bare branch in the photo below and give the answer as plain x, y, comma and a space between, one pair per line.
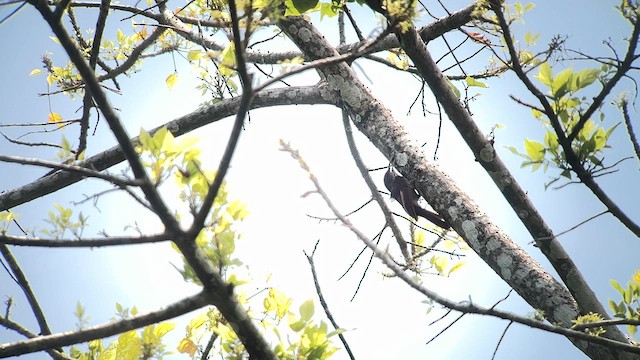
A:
82, 243
364, 172
508, 185
467, 308
41, 343
323, 302
179, 126
26, 288
624, 105
243, 107
79, 170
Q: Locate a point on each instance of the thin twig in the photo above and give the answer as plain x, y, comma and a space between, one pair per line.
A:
323, 302
26, 288
504, 332
111, 116
83, 171
465, 307
364, 172
624, 105
245, 103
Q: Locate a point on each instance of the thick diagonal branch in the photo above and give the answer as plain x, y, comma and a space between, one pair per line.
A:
505, 257
513, 193
273, 97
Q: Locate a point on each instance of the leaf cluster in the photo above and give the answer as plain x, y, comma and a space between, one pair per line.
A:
592, 139
131, 345
61, 221
629, 306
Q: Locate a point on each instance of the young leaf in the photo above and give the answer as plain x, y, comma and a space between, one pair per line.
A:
473, 82
54, 118
193, 55
561, 84
171, 80
585, 77
545, 75
307, 310
534, 149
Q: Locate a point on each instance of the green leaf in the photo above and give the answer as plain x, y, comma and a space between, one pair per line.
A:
534, 149
454, 88
616, 285
530, 39
561, 84
585, 78
158, 137
513, 149
307, 310
163, 328
599, 139
79, 310
545, 74
328, 10
455, 267
120, 36
536, 114
193, 55
172, 80
473, 82
298, 7
611, 130
586, 132
336, 332
551, 140
627, 296
146, 140
227, 243
298, 325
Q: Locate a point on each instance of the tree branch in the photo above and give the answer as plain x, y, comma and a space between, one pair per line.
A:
466, 307
621, 71
82, 243
355, 154
505, 257
323, 302
78, 170
109, 113
304, 95
41, 343
507, 184
570, 156
26, 288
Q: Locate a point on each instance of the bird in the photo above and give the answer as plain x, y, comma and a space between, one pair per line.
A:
402, 191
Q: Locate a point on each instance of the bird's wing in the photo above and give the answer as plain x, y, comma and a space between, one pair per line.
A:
407, 198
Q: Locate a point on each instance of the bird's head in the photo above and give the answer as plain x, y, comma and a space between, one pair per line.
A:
389, 178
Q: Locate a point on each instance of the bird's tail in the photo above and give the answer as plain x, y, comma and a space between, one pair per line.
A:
433, 217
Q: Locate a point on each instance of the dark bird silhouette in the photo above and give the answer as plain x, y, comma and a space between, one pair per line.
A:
407, 196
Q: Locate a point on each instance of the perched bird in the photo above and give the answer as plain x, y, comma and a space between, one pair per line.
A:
407, 196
